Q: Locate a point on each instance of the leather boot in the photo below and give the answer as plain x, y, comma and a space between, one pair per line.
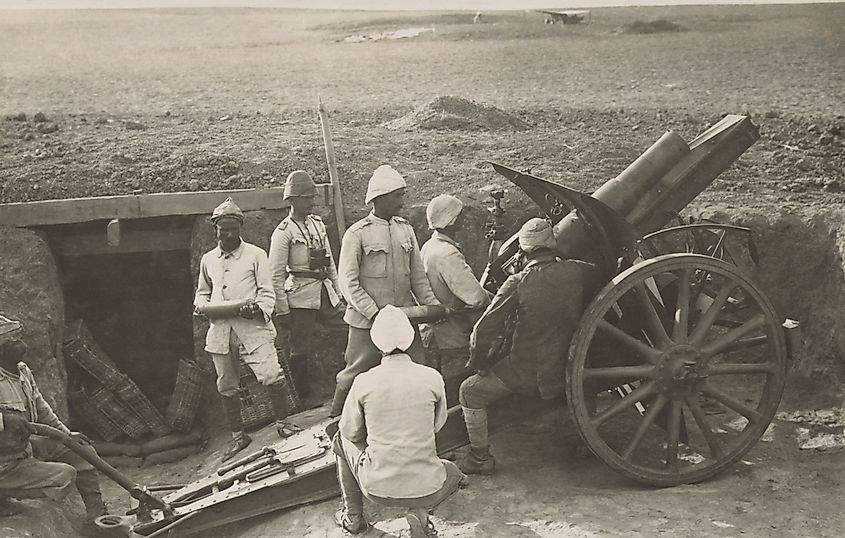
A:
282, 402
88, 485
299, 372
240, 440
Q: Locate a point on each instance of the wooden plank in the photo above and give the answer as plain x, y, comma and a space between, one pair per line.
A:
72, 210
89, 244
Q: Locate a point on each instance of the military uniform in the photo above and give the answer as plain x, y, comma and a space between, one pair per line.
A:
380, 264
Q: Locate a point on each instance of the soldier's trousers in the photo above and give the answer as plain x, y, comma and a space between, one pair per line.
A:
361, 355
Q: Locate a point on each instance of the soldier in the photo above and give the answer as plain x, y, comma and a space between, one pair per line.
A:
385, 442
32, 466
542, 304
379, 264
454, 285
304, 274
238, 272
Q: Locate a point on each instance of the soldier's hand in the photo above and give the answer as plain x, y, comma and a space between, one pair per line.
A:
80, 438
249, 311
16, 426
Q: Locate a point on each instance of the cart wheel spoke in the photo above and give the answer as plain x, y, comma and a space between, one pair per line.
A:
654, 325
742, 368
710, 437
647, 420
706, 321
681, 328
637, 346
640, 393
746, 343
719, 345
674, 435
620, 372
731, 402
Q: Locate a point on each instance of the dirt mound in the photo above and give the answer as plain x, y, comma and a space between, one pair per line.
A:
457, 114
652, 27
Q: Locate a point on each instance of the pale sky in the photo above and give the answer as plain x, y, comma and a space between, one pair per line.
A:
374, 4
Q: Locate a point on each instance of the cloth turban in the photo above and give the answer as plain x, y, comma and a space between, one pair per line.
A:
442, 211
536, 233
391, 330
384, 181
228, 209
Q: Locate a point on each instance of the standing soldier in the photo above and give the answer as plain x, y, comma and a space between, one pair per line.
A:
304, 274
379, 264
235, 291
542, 304
454, 285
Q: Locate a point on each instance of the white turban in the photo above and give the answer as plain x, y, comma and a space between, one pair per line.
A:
536, 233
227, 209
391, 330
442, 211
385, 180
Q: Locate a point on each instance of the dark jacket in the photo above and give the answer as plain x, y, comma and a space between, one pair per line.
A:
545, 302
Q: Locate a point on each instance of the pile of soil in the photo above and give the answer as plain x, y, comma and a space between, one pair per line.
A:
457, 114
649, 27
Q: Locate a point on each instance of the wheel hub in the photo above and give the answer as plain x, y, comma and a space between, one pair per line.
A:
679, 369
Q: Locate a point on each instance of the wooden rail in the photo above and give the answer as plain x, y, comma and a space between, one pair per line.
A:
139, 206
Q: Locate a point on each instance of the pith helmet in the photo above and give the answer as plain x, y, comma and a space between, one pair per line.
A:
299, 183
442, 211
384, 181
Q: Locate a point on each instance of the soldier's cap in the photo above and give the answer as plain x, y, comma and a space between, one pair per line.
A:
9, 329
228, 209
442, 211
299, 183
536, 233
392, 330
384, 181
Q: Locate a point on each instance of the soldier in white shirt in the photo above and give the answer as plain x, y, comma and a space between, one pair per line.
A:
385, 443
237, 272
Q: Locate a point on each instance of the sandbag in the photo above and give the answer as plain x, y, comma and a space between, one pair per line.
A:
174, 440
169, 456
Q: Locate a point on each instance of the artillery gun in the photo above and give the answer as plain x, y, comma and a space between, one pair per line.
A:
674, 372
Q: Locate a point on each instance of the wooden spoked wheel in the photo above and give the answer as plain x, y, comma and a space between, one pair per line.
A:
676, 369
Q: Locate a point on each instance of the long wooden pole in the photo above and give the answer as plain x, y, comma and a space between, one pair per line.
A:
330, 159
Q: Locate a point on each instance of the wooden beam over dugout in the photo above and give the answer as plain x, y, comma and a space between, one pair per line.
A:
139, 206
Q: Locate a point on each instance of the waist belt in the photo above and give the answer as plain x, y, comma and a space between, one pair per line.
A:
319, 275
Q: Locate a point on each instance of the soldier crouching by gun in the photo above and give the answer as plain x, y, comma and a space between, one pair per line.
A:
540, 307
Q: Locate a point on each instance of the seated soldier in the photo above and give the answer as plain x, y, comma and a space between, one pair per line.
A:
385, 445
543, 304
32, 466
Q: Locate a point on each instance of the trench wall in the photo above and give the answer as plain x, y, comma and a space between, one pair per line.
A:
30, 291
801, 270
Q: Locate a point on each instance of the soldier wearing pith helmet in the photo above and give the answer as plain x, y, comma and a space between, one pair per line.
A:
380, 264
304, 274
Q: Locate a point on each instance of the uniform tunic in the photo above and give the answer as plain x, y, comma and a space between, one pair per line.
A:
456, 287
547, 299
380, 264
290, 247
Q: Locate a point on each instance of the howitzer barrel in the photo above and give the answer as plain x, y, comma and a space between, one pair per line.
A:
662, 181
